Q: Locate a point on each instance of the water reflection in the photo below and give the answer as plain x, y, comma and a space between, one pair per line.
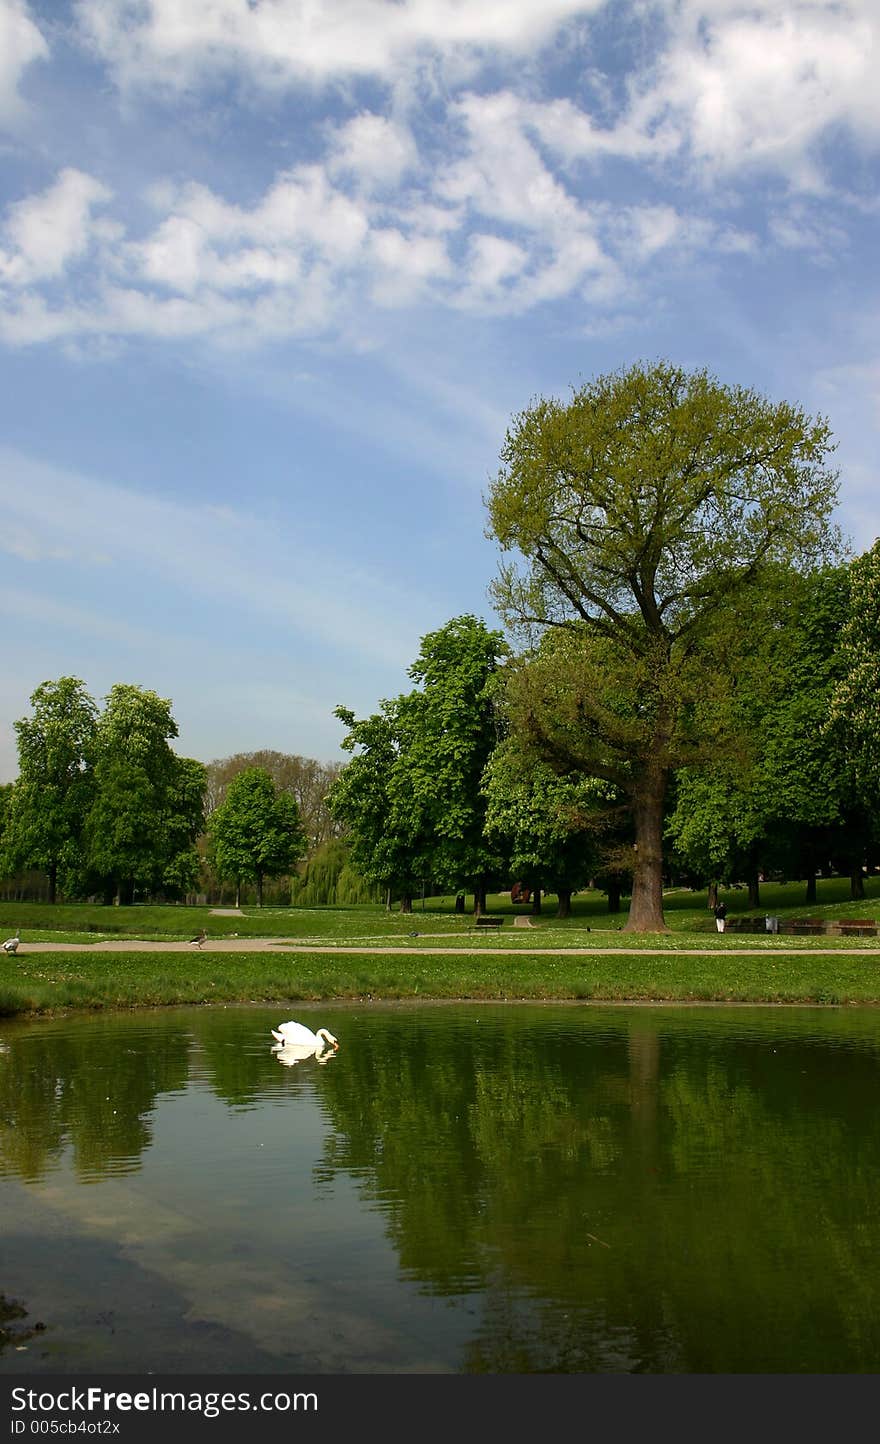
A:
468, 1189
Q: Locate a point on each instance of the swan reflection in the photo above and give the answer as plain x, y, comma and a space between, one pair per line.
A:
290, 1053
295, 1042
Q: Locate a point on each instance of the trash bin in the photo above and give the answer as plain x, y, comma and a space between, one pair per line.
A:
771, 924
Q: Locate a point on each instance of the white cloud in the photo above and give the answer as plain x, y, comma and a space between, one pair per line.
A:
21, 43
279, 42
503, 179
45, 233
406, 264
497, 203
758, 85
732, 83
374, 151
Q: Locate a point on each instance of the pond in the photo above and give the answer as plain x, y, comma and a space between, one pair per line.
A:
460, 1189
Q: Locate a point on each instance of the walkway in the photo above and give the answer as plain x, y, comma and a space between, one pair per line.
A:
254, 945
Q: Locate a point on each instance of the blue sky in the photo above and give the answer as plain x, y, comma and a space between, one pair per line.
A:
276, 275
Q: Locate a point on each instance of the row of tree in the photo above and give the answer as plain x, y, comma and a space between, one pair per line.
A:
693, 690
102, 804
104, 807
696, 685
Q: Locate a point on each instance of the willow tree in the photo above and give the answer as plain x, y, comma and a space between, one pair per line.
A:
648, 512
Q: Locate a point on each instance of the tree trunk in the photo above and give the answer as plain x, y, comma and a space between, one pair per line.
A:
238, 892
259, 889
479, 899
126, 892
406, 902
856, 884
754, 891
811, 888
712, 897
646, 905
53, 882
389, 900
536, 900
564, 908
613, 891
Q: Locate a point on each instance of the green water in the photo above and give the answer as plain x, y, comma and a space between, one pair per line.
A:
460, 1189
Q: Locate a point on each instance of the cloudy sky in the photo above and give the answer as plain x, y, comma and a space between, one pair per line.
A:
276, 274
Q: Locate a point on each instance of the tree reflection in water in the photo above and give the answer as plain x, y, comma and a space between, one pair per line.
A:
658, 1190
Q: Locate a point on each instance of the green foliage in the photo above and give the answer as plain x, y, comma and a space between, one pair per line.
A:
148, 806
449, 728
328, 878
650, 511
784, 798
410, 798
256, 832
854, 713
380, 834
306, 780
49, 802
653, 499
549, 827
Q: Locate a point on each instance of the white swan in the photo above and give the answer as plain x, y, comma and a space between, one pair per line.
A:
297, 1034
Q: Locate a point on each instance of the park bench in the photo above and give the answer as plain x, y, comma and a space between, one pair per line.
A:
808, 927
488, 922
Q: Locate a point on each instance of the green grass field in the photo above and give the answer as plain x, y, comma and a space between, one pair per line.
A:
687, 918
435, 953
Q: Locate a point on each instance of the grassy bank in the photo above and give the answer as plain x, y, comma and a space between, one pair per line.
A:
51, 981
686, 913
553, 958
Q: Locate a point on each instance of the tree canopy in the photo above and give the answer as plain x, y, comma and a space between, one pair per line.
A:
854, 712
256, 832
649, 511
55, 787
411, 798
148, 806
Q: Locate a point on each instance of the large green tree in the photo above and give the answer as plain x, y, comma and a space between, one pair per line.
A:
450, 731
380, 828
551, 829
787, 799
148, 806
411, 797
55, 785
307, 781
854, 712
649, 510
256, 832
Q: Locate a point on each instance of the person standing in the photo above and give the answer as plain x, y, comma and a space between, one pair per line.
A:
720, 916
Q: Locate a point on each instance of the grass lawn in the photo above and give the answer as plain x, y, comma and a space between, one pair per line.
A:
691, 962
52, 981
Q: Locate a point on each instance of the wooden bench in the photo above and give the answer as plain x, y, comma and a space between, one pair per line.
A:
854, 927
745, 925
805, 927
488, 922
808, 927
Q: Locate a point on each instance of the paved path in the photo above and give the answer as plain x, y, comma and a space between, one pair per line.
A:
257, 945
